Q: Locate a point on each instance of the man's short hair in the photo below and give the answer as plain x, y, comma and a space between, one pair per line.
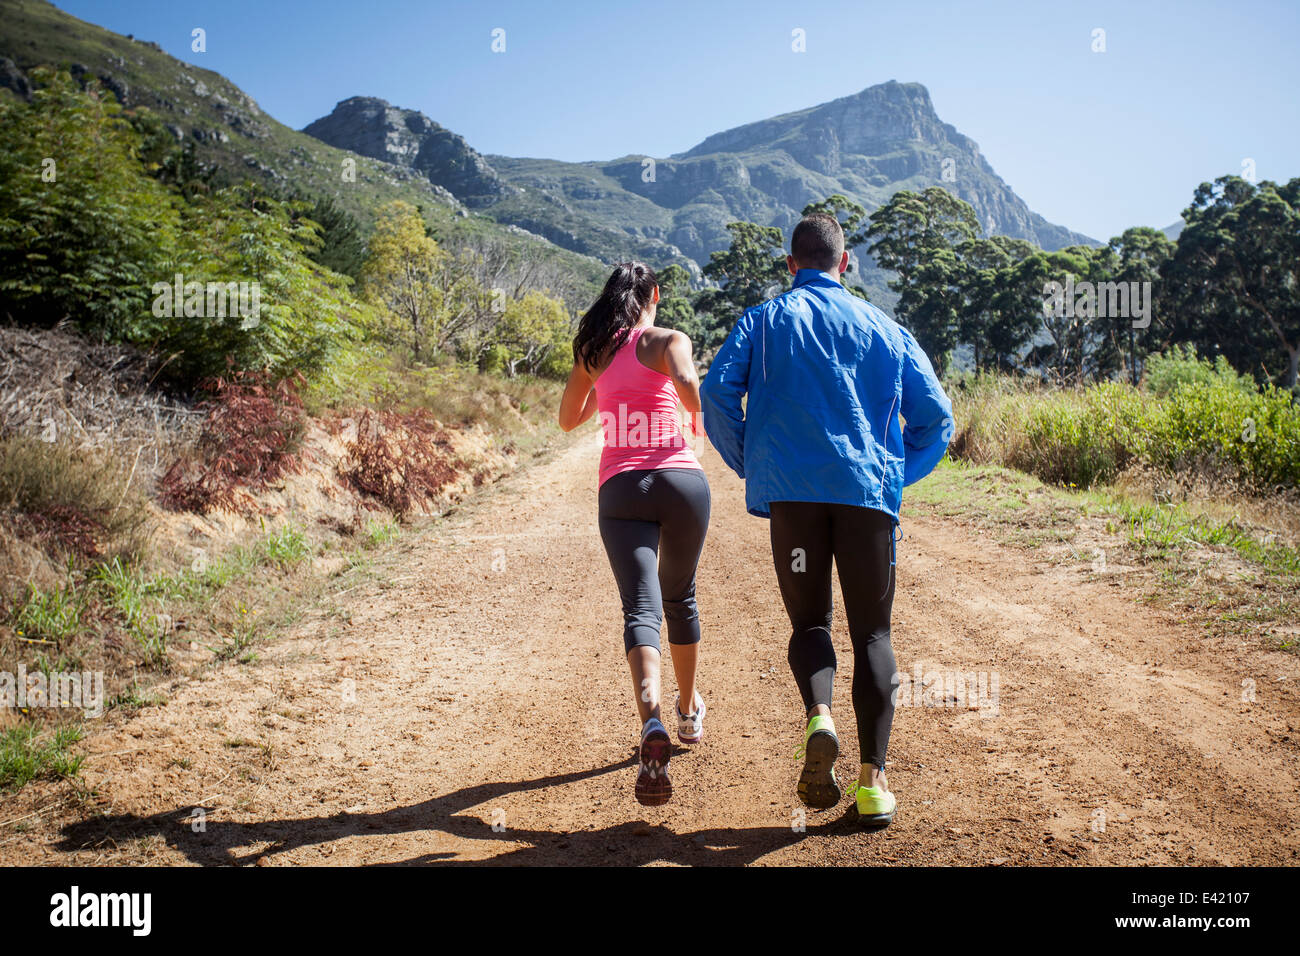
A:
818, 242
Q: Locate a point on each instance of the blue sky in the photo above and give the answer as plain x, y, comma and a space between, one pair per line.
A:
1184, 92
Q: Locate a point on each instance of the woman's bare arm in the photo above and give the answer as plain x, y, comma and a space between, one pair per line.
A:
679, 365
579, 401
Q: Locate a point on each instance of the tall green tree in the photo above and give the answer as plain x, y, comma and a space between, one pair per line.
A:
1076, 351
677, 311
1235, 275
403, 276
851, 215
997, 325
750, 269
342, 246
1139, 254
915, 235
241, 237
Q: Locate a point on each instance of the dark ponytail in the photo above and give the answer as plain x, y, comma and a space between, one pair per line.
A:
604, 327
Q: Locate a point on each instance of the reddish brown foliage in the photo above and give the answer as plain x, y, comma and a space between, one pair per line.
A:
66, 526
249, 438
399, 460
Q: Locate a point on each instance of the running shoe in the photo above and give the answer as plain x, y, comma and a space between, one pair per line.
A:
876, 807
690, 727
653, 787
818, 787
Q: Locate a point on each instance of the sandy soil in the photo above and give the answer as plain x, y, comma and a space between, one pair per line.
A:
473, 705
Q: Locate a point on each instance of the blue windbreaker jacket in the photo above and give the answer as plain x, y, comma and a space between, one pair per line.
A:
827, 375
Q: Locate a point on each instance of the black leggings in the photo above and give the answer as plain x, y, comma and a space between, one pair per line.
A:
805, 536
653, 524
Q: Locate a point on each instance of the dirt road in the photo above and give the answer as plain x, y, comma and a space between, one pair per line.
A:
473, 705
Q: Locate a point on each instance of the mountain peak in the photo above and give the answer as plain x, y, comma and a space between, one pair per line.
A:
892, 89
374, 127
862, 122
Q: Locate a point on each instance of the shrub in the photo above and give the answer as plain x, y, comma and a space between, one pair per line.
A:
1254, 434
250, 435
400, 460
1208, 422
1081, 439
84, 237
96, 239
1181, 366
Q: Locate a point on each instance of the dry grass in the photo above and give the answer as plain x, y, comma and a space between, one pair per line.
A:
65, 388
72, 503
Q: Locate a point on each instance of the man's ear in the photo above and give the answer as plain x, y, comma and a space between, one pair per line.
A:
844, 262
792, 265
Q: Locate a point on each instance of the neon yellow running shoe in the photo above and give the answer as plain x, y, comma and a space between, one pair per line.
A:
876, 807
818, 787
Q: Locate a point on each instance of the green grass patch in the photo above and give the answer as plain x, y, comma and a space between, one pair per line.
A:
51, 616
284, 547
28, 752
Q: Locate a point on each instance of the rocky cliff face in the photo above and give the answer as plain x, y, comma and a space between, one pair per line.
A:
872, 143
866, 146
374, 128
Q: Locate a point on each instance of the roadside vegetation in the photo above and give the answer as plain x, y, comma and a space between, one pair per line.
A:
298, 389
1191, 421
1188, 486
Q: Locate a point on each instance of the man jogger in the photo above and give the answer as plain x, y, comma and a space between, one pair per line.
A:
823, 455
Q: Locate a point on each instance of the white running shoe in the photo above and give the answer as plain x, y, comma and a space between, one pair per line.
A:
653, 788
690, 727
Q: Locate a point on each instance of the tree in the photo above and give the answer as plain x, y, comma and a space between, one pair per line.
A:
749, 269
912, 225
852, 217
404, 274
343, 247
242, 237
1077, 350
915, 235
530, 330
1235, 275
996, 324
1140, 254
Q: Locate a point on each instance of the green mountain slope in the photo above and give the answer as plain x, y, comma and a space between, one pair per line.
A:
231, 132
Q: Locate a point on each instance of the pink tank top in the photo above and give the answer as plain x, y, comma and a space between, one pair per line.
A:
640, 417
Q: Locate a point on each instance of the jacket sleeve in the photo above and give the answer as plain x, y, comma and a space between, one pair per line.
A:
723, 392
927, 411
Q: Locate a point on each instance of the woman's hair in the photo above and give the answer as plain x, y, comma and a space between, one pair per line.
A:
604, 327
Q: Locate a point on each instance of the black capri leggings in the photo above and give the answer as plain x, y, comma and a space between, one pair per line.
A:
805, 536
653, 524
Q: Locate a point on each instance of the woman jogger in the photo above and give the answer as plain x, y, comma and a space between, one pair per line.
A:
653, 500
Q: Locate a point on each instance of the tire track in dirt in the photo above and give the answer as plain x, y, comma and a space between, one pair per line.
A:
473, 705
